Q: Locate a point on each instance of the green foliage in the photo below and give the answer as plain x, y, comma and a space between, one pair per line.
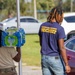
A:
22, 7
66, 6
74, 5
45, 4
9, 6
1, 5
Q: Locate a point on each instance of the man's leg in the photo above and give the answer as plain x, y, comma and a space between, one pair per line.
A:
45, 69
57, 66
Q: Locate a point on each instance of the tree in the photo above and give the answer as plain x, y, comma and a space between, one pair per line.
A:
22, 7
66, 6
9, 6
1, 5
45, 4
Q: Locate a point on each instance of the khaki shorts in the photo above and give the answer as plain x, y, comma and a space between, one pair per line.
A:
8, 71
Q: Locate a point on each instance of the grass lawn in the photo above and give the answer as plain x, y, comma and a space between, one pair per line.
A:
31, 51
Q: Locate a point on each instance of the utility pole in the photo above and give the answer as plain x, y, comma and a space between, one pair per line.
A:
18, 26
35, 10
71, 5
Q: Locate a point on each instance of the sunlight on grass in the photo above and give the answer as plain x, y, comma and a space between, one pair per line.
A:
31, 50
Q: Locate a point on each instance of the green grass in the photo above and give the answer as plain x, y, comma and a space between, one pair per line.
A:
31, 50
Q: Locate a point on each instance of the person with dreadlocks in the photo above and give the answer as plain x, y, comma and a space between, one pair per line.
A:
53, 54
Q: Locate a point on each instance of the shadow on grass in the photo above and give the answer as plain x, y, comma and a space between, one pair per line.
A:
36, 41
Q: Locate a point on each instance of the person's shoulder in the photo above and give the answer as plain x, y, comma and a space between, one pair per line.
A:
60, 27
9, 48
44, 24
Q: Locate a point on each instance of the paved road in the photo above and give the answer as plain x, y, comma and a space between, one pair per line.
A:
30, 70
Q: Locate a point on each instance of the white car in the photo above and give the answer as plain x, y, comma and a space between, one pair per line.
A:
29, 24
32, 25
68, 22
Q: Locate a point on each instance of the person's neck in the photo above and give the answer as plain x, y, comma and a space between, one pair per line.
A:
53, 20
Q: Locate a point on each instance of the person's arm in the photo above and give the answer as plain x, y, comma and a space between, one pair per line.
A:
18, 56
40, 40
64, 55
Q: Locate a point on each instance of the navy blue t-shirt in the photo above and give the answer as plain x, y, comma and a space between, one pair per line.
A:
49, 34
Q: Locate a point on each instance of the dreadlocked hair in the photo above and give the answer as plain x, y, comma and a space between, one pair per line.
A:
56, 13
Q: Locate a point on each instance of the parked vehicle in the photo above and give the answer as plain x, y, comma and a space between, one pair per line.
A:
29, 24
70, 48
68, 22
70, 34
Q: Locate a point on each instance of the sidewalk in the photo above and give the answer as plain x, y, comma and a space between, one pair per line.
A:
30, 70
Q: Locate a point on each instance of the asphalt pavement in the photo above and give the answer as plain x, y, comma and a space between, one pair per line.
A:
29, 70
